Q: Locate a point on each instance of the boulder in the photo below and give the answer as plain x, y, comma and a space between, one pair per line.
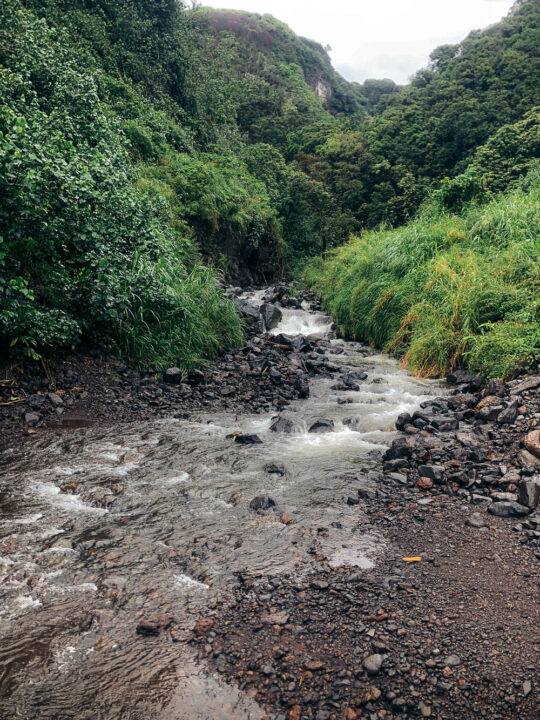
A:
247, 439
529, 492
271, 315
262, 502
55, 399
508, 509
173, 376
283, 425
36, 401
322, 426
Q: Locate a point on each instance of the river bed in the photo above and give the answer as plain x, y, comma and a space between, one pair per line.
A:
100, 527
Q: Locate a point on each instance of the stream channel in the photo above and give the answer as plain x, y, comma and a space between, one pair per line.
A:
102, 526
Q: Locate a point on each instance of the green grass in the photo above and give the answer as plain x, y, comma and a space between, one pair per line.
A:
446, 290
175, 317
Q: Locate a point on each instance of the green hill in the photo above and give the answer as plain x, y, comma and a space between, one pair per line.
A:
145, 150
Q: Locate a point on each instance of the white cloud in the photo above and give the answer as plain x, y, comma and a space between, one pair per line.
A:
381, 38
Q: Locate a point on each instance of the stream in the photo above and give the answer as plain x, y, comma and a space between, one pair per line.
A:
102, 526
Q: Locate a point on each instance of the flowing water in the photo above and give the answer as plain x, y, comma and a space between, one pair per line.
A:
101, 526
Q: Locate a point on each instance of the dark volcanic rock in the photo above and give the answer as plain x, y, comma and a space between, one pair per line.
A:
262, 502
247, 439
508, 509
283, 425
322, 426
173, 375
271, 315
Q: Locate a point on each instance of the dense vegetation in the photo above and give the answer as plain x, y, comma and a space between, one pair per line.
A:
447, 289
147, 150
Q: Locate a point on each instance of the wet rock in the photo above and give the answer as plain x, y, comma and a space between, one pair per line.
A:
353, 422
532, 443
400, 449
36, 401
262, 502
529, 492
173, 376
275, 469
403, 420
322, 426
508, 509
247, 439
153, 624
373, 664
32, 418
352, 378
283, 425
271, 315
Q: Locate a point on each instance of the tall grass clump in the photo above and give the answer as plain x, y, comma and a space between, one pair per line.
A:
174, 316
446, 290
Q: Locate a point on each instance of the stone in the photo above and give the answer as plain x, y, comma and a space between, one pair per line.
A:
508, 509
247, 439
275, 469
530, 384
283, 425
153, 624
435, 472
462, 377
262, 502
403, 420
399, 449
36, 401
532, 443
476, 520
173, 376
277, 618
529, 492
527, 459
271, 315
373, 664
452, 661
509, 414
32, 418
322, 426
203, 626
55, 399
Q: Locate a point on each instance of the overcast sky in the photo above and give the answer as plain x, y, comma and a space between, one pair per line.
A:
379, 38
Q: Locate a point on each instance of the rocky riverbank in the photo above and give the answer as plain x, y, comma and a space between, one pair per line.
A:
319, 565
447, 624
83, 390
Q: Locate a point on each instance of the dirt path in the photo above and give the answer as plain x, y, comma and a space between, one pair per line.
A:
457, 633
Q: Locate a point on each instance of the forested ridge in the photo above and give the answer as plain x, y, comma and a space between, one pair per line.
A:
147, 150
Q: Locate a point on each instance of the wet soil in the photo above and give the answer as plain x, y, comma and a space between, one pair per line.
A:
457, 632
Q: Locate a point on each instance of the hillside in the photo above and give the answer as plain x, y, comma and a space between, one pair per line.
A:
140, 139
